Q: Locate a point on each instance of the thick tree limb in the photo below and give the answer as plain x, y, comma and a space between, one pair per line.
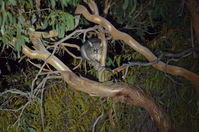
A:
44, 55
121, 92
118, 35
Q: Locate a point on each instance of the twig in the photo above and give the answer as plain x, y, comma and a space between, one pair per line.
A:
38, 66
78, 64
41, 104
182, 54
71, 54
140, 64
15, 91
43, 82
71, 45
22, 110
96, 121
192, 41
175, 57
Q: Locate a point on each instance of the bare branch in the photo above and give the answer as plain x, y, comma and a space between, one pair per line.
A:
15, 91
71, 54
38, 66
71, 45
21, 113
96, 121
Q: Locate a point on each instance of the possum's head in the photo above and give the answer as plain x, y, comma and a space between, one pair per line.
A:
92, 50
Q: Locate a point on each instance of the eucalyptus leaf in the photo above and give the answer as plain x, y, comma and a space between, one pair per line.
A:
29, 129
134, 7
10, 18
4, 18
21, 20
44, 25
70, 22
1, 20
5, 41
31, 4
62, 28
26, 39
53, 3
125, 4
13, 2
64, 3
33, 18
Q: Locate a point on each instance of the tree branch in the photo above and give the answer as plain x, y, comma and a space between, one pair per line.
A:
118, 35
121, 92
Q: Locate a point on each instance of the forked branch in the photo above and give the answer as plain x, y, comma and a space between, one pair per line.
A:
121, 92
118, 35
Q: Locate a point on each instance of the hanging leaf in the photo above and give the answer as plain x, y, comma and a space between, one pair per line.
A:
53, 3
70, 21
118, 60
21, 20
62, 28
26, 39
10, 18
33, 18
44, 25
5, 41
64, 3
125, 5
31, 4
109, 62
19, 43
13, 2
1, 20
5, 18
134, 4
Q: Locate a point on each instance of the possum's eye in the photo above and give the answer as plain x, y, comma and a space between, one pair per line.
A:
95, 50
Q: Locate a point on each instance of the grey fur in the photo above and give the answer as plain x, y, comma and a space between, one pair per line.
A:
91, 50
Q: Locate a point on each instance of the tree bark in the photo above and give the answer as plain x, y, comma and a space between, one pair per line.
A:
118, 35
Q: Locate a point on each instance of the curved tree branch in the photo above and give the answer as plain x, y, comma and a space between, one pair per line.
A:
44, 55
118, 35
121, 92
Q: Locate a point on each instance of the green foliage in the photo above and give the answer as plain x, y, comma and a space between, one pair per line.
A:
63, 3
124, 12
19, 17
156, 24
60, 21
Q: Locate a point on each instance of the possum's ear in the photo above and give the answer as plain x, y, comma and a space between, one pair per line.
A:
90, 43
101, 45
